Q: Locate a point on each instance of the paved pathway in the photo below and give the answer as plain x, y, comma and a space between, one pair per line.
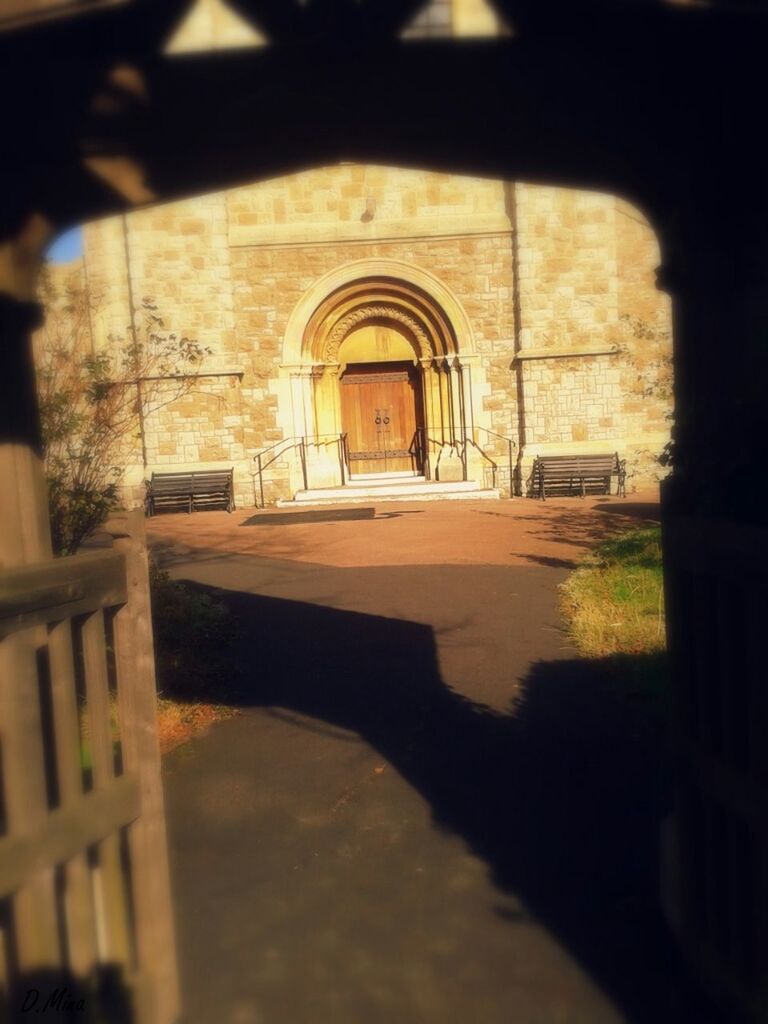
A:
429, 810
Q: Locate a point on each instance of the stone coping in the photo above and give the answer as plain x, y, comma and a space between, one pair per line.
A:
307, 233
564, 353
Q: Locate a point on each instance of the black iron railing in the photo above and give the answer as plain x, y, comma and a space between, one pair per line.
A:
422, 449
267, 456
510, 447
425, 444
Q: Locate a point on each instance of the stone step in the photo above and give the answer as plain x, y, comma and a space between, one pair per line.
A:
385, 480
412, 490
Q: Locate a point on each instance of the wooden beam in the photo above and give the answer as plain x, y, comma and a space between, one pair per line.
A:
60, 588
712, 547
67, 831
137, 710
24, 538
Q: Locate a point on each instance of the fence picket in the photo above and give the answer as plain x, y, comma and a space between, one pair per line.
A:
137, 709
25, 791
78, 894
85, 874
109, 875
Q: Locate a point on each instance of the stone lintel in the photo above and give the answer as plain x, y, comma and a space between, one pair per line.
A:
228, 372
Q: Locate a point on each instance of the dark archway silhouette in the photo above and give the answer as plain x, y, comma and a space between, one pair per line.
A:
659, 103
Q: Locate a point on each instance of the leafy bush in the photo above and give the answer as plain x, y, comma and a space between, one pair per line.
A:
93, 404
651, 375
193, 638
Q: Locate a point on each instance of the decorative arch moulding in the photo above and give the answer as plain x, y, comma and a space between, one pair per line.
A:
370, 288
429, 330
362, 315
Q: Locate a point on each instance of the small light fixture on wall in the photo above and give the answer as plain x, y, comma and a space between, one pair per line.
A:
370, 210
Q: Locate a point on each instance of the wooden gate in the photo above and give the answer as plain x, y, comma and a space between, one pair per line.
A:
716, 580
84, 881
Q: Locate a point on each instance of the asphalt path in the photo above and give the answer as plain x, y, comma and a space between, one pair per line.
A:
428, 810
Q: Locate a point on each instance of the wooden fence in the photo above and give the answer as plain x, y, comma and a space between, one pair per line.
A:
716, 578
84, 883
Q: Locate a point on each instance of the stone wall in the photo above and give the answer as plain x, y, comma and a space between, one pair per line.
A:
571, 337
594, 341
228, 270
178, 257
288, 233
269, 280
646, 366
569, 351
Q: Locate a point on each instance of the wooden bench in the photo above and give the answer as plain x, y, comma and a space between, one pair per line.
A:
560, 473
200, 488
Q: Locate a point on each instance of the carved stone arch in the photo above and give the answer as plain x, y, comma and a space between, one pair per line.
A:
362, 314
410, 295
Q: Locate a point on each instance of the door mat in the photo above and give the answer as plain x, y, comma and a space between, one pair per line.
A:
319, 515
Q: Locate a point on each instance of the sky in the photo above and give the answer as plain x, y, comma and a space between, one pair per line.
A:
68, 246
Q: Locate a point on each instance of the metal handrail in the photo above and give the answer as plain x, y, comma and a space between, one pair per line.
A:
484, 454
510, 446
291, 440
461, 447
422, 439
300, 443
503, 437
426, 440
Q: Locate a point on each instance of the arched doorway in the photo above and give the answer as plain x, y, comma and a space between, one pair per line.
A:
380, 354
382, 411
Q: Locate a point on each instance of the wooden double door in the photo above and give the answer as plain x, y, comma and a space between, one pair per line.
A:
381, 413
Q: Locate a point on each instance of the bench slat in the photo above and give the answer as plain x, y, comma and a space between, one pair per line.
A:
587, 470
203, 487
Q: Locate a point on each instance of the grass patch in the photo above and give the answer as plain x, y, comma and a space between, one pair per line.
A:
178, 721
615, 601
195, 669
614, 606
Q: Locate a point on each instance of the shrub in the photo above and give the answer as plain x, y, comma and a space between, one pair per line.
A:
648, 355
93, 404
193, 638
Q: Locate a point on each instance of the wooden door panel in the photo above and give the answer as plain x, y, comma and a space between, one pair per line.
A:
380, 418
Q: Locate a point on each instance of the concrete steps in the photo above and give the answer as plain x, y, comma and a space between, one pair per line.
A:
387, 488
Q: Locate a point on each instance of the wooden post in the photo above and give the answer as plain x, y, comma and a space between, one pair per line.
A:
25, 535
716, 576
137, 696
24, 538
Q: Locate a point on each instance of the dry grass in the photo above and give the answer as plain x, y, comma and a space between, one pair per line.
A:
193, 651
179, 721
614, 602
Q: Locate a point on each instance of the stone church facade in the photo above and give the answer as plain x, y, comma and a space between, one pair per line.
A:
471, 318
518, 312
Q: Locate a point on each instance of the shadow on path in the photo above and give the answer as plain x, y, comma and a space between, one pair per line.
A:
562, 798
